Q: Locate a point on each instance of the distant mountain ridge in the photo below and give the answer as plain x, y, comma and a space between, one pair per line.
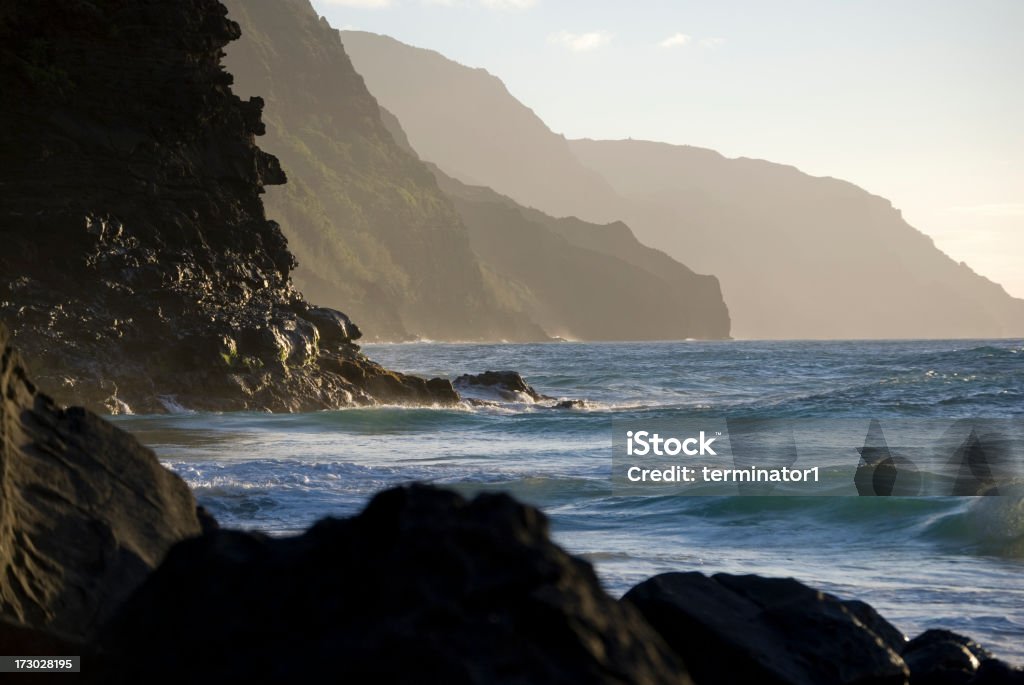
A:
800, 256
374, 233
521, 158
797, 256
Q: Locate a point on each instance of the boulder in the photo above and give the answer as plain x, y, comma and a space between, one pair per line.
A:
491, 387
506, 385
942, 657
995, 672
86, 512
422, 586
771, 631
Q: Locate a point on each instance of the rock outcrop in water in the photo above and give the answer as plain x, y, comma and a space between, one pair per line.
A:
507, 386
422, 587
138, 268
86, 512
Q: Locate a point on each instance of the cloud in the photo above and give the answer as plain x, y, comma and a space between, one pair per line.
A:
712, 42
580, 42
361, 4
675, 40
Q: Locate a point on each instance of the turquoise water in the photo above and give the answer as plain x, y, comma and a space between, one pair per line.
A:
923, 562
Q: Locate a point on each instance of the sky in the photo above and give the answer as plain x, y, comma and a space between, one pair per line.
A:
921, 102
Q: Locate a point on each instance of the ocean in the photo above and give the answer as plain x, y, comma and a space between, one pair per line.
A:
923, 562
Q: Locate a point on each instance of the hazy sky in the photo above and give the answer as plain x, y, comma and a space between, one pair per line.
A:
921, 102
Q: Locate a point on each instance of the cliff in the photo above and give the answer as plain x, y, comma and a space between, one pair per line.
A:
465, 121
800, 256
584, 281
797, 256
138, 268
567, 274
371, 230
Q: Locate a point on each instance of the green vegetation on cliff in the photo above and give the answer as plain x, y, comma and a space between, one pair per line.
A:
372, 232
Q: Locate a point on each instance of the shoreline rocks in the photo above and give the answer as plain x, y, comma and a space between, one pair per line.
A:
105, 554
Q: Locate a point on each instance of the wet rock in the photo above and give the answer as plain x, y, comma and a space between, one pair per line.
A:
995, 672
748, 629
86, 512
507, 385
423, 586
892, 636
938, 657
335, 328
571, 404
493, 387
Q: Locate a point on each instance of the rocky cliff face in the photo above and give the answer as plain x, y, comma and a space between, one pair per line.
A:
585, 281
138, 268
568, 275
86, 512
366, 220
465, 121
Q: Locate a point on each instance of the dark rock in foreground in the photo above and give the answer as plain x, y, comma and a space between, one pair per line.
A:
138, 268
748, 629
942, 657
86, 512
422, 587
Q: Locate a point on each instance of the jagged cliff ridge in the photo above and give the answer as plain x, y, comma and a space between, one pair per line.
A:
138, 267
366, 220
800, 256
465, 121
567, 274
797, 256
584, 281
